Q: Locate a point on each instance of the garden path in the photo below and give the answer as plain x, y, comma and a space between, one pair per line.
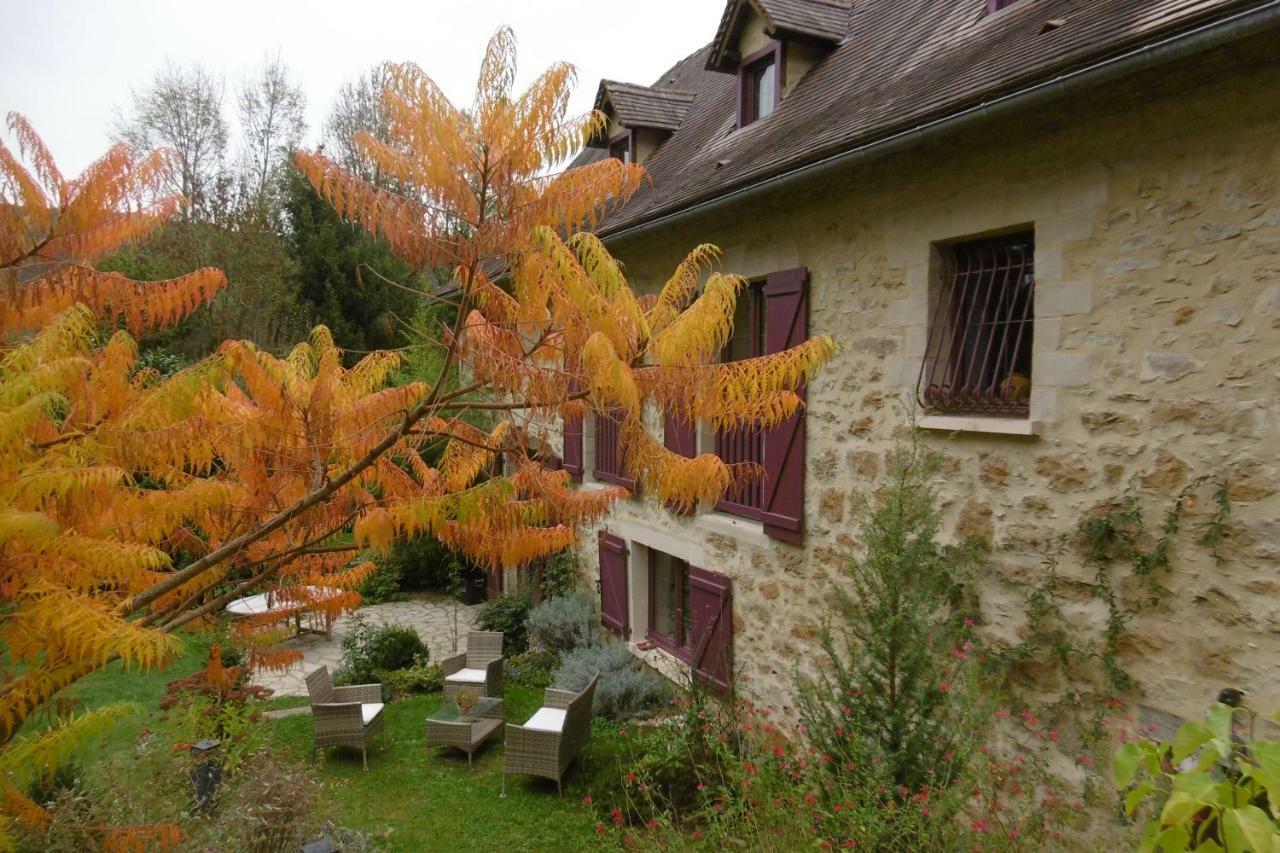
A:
430, 615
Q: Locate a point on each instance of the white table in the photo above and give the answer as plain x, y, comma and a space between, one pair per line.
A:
278, 601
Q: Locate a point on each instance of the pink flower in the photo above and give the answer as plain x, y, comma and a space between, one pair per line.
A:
701, 786
944, 687
980, 826
586, 801
968, 623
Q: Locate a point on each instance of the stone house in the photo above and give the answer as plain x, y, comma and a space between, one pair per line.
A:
1049, 228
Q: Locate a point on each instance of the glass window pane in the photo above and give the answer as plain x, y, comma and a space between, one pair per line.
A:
765, 79
665, 574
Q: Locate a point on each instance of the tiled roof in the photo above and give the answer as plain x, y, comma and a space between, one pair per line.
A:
903, 62
644, 106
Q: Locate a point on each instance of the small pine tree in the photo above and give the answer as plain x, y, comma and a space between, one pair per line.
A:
898, 701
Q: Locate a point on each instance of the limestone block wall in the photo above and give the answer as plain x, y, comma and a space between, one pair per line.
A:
1156, 212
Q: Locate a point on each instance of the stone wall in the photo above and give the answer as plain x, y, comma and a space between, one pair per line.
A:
1156, 211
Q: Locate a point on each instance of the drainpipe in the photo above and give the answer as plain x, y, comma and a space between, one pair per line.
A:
1204, 37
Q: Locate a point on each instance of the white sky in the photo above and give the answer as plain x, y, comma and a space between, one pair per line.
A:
68, 64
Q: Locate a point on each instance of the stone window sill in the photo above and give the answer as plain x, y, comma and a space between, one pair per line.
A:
995, 426
730, 525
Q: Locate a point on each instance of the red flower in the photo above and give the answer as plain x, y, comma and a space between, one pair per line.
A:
980, 826
586, 801
651, 824
616, 814
701, 786
968, 623
600, 826
944, 687
697, 835
631, 777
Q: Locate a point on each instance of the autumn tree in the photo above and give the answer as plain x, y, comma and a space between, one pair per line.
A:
252, 462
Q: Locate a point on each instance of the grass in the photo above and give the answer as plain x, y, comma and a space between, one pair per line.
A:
410, 799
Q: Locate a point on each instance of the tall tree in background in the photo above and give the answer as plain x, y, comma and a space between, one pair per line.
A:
272, 124
358, 109
353, 282
181, 110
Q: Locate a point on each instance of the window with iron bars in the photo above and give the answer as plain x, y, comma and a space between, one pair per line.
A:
981, 326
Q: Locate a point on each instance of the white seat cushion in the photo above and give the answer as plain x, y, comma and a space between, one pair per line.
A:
368, 711
547, 720
469, 676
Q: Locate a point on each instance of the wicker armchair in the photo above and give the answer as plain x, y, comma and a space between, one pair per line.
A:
548, 741
344, 716
479, 667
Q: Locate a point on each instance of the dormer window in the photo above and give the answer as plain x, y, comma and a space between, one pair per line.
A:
997, 5
620, 147
761, 86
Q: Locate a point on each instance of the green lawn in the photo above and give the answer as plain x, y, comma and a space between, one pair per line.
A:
410, 799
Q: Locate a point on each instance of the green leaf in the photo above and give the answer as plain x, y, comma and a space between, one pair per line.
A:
1135, 797
1125, 763
1249, 829
1175, 839
1267, 754
1218, 719
1209, 846
1190, 737
1179, 809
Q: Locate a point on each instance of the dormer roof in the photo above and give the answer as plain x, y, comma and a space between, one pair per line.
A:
642, 106
816, 21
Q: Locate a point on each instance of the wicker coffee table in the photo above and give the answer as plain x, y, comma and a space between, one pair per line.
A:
448, 726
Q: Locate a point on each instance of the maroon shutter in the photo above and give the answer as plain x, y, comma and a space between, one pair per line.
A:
786, 301
573, 442
613, 583
711, 612
679, 436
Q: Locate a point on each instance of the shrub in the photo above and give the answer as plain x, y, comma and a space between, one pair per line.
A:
1211, 785
427, 563
533, 668
901, 696
383, 585
369, 650
625, 687
566, 622
560, 573
419, 678
509, 614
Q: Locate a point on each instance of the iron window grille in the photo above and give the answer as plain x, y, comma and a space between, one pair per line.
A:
745, 444
981, 326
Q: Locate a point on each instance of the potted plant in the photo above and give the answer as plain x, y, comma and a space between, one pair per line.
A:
466, 699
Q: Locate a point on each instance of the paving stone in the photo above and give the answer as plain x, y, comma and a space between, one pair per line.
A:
430, 616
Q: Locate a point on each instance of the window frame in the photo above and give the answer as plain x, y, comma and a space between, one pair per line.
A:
994, 6
677, 645
748, 109
628, 138
619, 477
960, 352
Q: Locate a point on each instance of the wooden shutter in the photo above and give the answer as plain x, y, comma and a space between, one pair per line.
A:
572, 460
679, 436
786, 301
711, 615
613, 583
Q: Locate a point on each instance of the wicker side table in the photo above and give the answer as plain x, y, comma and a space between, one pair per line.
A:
448, 726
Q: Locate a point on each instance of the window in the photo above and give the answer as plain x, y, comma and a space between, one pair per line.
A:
997, 5
978, 358
670, 618
620, 147
760, 85
745, 444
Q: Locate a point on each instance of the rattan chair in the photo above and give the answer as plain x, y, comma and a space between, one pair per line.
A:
344, 716
479, 667
548, 741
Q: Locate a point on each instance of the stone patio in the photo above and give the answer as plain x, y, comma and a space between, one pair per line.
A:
430, 616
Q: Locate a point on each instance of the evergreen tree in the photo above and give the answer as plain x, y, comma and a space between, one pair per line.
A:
355, 284
898, 701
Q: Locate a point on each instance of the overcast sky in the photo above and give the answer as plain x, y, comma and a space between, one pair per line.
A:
69, 64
